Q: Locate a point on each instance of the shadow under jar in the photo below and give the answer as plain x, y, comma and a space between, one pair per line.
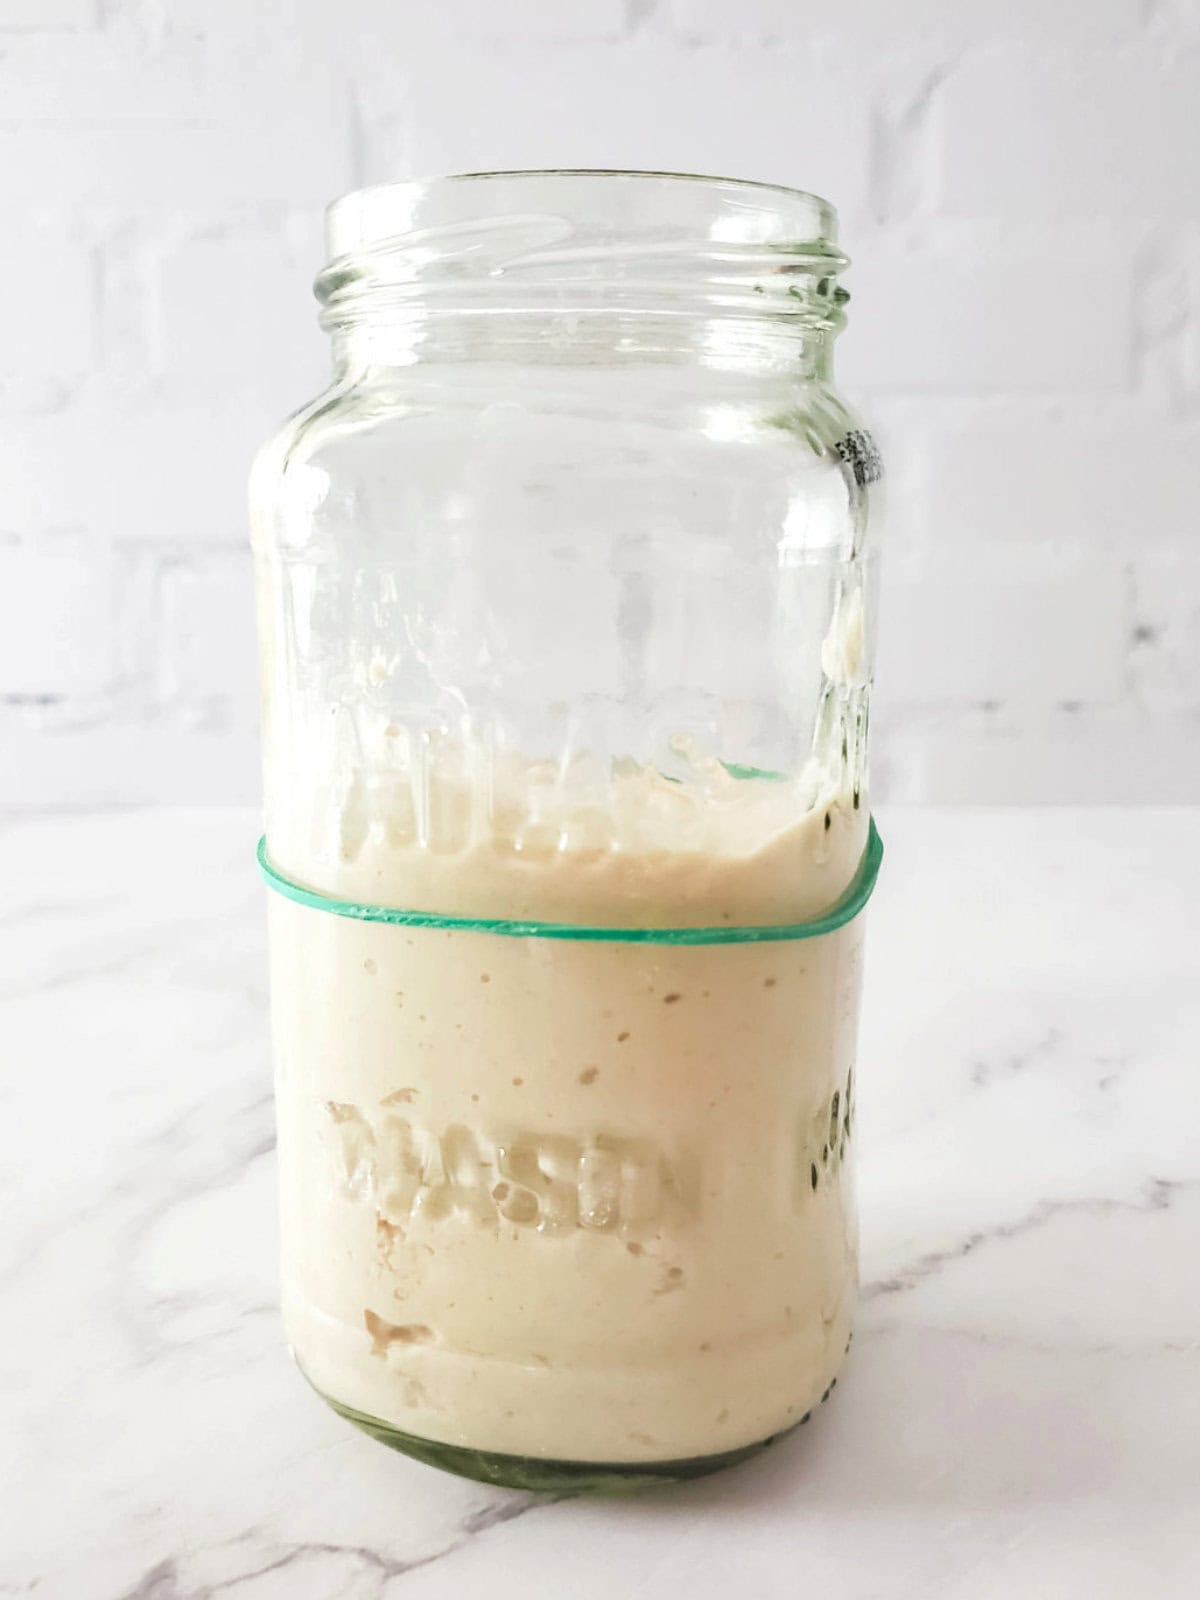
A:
566, 595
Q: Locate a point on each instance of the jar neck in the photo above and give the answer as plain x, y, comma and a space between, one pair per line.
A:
583, 268
386, 340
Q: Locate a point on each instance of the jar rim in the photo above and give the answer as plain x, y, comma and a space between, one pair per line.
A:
719, 210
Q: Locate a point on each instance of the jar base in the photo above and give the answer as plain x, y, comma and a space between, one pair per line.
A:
544, 1476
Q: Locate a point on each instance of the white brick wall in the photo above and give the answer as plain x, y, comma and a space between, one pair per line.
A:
46, 16
48, 324
970, 312
651, 104
995, 630
871, 23
1071, 134
1018, 182
56, 615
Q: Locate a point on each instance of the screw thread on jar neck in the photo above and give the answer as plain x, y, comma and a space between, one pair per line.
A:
583, 265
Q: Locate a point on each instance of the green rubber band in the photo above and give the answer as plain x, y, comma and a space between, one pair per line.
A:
848, 907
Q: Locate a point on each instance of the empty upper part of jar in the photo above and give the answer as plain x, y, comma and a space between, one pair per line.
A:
572, 566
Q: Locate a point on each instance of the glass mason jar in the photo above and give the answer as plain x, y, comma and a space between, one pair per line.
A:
566, 590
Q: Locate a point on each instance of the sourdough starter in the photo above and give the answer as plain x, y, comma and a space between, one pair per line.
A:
578, 1199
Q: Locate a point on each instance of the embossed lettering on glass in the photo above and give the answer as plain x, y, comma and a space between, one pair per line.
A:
566, 603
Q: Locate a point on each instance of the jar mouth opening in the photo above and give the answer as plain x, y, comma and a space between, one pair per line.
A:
590, 232
719, 209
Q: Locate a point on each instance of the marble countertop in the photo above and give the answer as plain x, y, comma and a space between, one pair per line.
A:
1021, 1412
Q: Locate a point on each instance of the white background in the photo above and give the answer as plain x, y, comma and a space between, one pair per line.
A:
1019, 183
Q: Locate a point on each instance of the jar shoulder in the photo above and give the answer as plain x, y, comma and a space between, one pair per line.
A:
571, 442
293, 444
808, 412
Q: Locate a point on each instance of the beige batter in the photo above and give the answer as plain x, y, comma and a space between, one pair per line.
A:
578, 1200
